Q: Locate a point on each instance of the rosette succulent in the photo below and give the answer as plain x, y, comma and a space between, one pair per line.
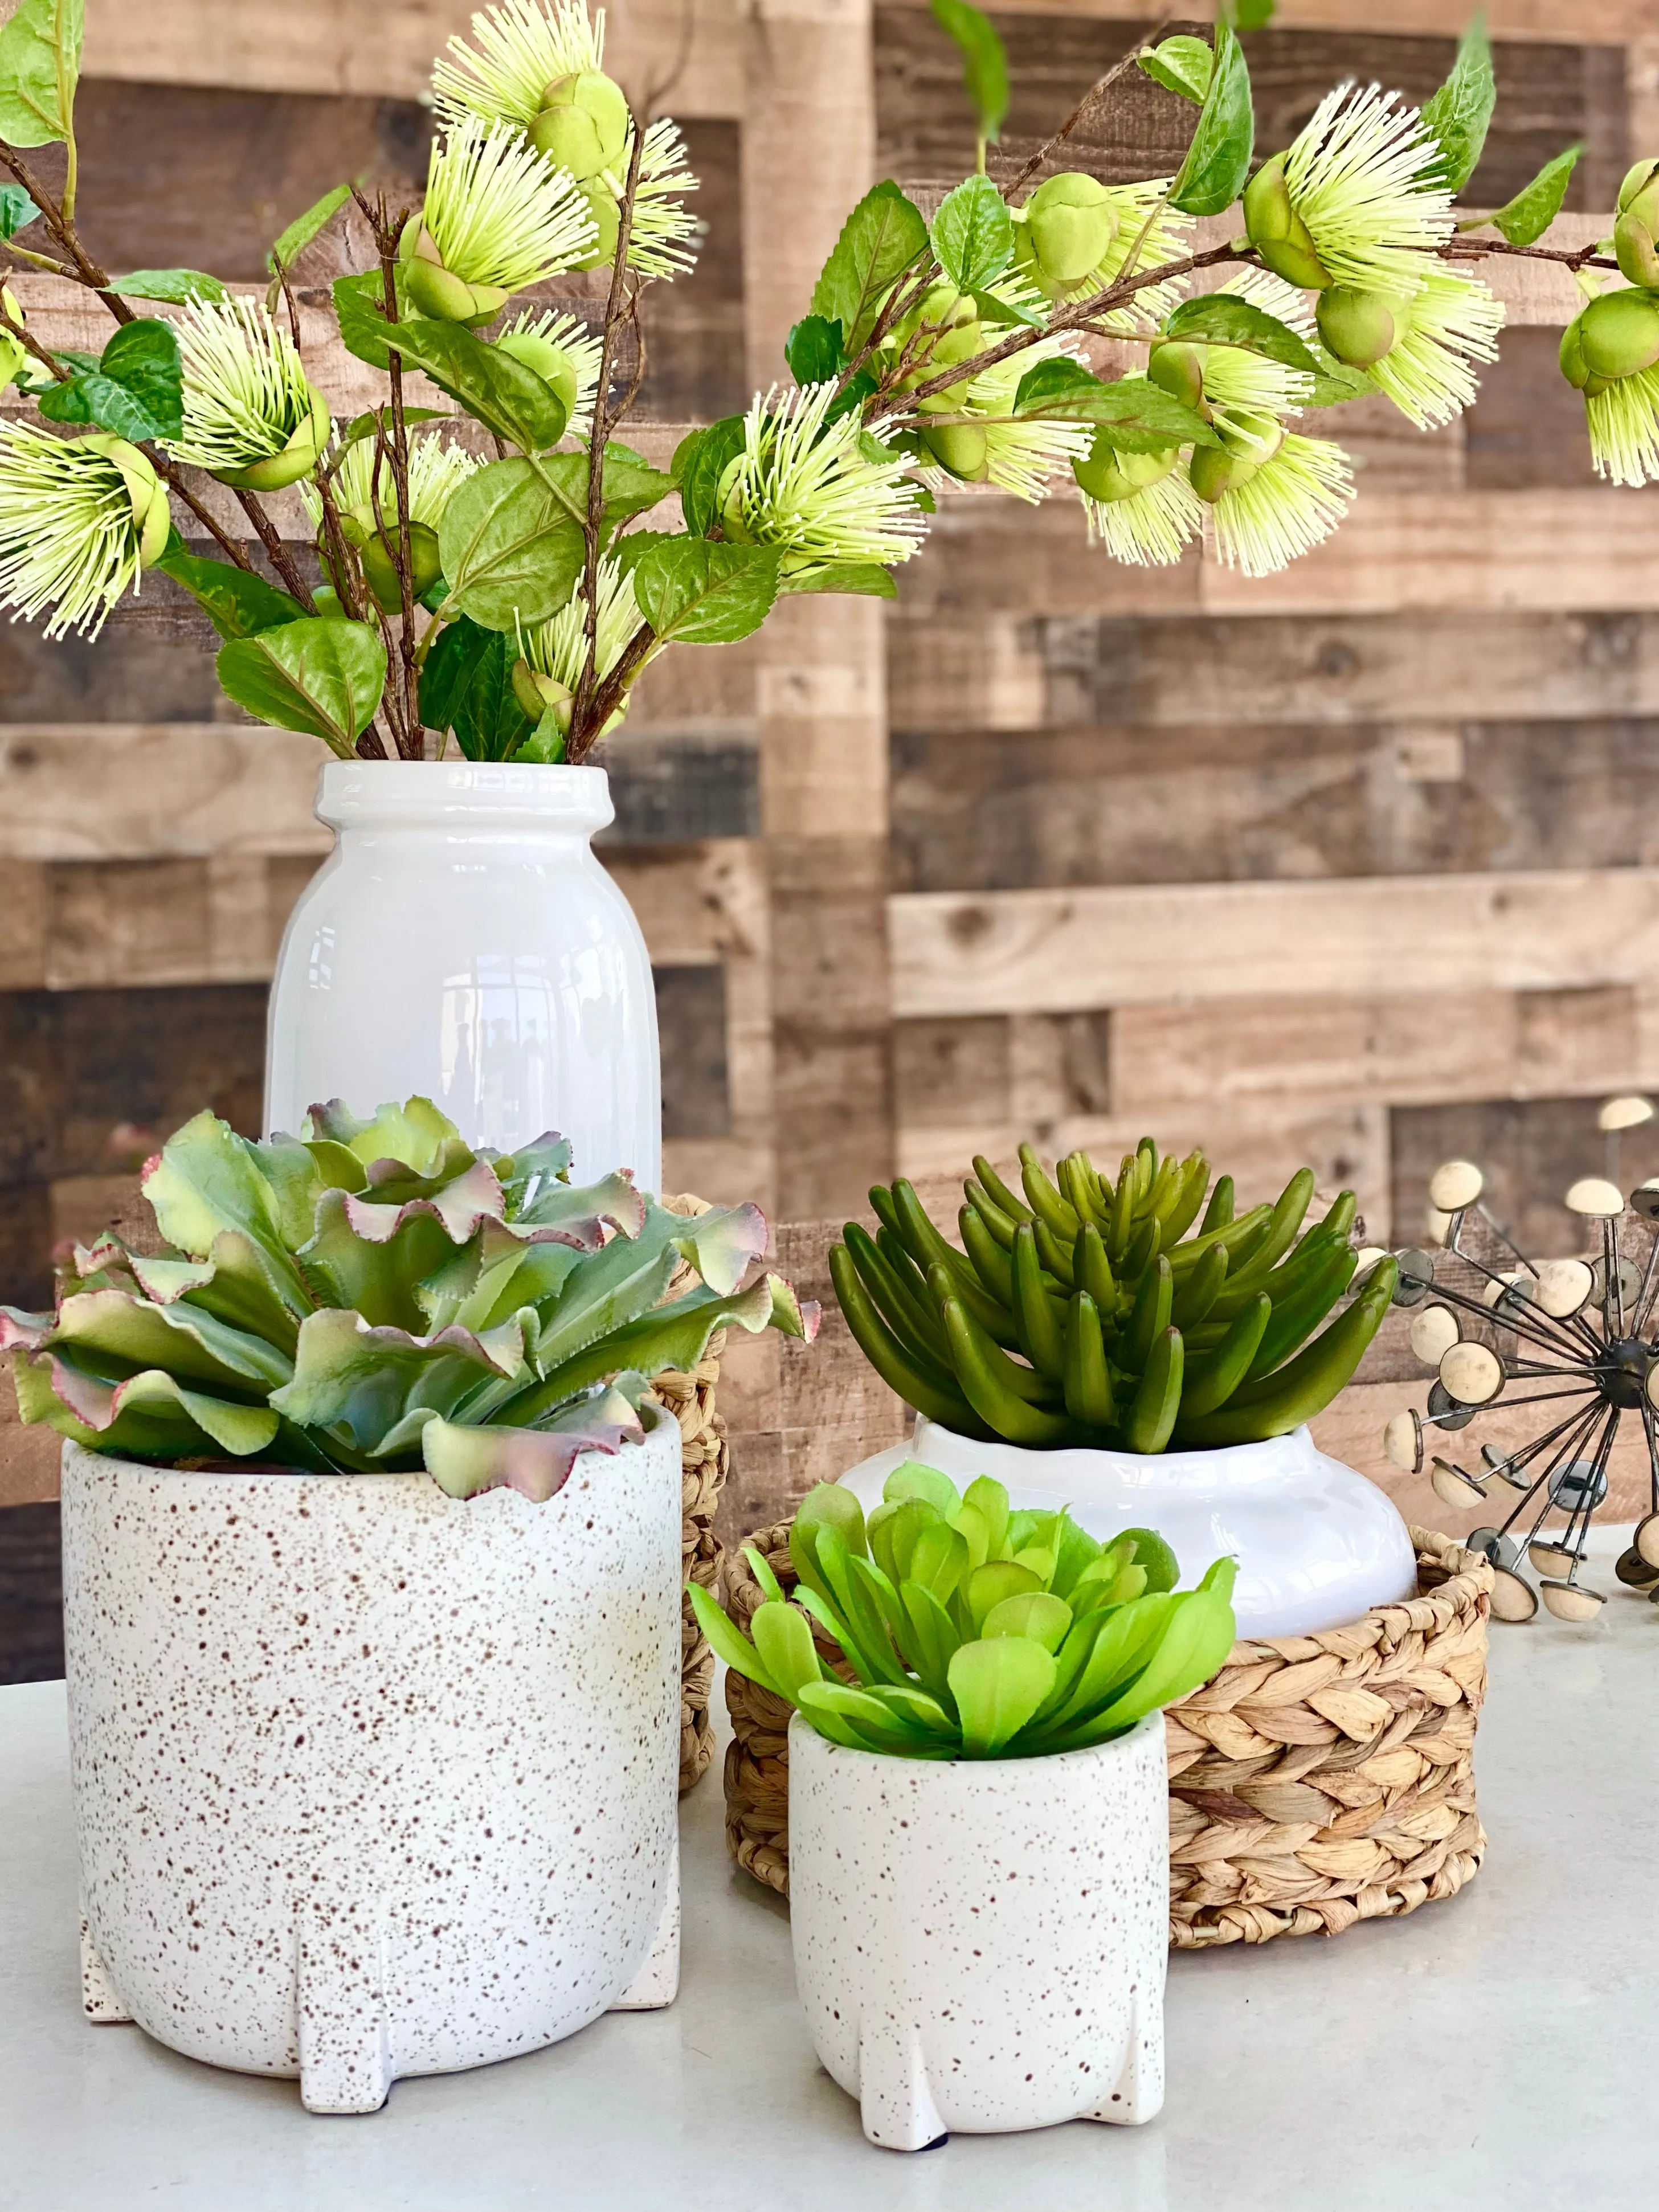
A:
1078, 1310
378, 1296
972, 1632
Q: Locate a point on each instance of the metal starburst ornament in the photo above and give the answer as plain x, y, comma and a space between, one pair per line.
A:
1579, 1339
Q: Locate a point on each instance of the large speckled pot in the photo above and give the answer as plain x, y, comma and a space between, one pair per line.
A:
981, 1946
368, 1781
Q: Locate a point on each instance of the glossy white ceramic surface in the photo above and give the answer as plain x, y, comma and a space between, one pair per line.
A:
371, 1782
1316, 1544
981, 1944
462, 942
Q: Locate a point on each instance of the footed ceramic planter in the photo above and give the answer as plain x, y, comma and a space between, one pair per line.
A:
369, 1781
980, 1945
462, 944
1317, 1545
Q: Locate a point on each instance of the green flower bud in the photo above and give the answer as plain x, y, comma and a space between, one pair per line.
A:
380, 570
960, 448
1640, 183
1619, 334
727, 507
1634, 243
297, 459
550, 362
1109, 474
151, 515
536, 694
1179, 370
1358, 327
434, 292
1071, 222
13, 352
607, 221
1278, 232
1213, 471
326, 599
1572, 356
583, 125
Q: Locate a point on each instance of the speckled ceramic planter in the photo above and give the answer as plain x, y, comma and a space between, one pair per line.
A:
981, 1946
369, 1781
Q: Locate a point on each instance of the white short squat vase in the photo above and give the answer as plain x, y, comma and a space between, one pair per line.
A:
369, 1781
462, 944
1317, 1545
980, 1945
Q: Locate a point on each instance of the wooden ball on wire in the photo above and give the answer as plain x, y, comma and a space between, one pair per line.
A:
1472, 1373
1454, 1185
1433, 1333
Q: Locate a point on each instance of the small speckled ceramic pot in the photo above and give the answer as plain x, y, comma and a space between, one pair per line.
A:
369, 1781
981, 1946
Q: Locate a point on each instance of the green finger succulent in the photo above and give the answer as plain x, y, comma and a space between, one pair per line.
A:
1080, 1310
379, 1296
973, 1632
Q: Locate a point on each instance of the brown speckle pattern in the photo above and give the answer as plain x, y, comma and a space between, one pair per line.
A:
369, 1781
981, 1946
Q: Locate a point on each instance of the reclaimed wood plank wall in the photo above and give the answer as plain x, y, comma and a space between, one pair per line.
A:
1354, 865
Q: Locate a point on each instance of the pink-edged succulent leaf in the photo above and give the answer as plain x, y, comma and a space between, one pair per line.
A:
528, 1170
360, 1382
494, 1275
415, 1133
721, 1244
674, 1335
206, 1179
234, 1284
21, 1331
791, 1314
377, 1277
150, 1415
195, 1345
536, 1462
579, 1214
474, 1197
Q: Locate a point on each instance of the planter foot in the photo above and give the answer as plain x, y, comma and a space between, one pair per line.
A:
1137, 2093
658, 1982
895, 2102
345, 2058
98, 1999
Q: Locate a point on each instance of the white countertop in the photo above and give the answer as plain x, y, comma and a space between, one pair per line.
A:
1498, 2050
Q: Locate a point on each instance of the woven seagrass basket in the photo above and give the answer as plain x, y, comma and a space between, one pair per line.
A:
1317, 1781
704, 1456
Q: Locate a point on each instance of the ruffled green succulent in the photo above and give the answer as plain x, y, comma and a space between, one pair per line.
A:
973, 1632
1083, 1312
379, 1296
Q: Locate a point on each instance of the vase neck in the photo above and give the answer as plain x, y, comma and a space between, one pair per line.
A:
446, 796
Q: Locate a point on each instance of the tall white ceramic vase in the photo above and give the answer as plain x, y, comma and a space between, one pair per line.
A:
463, 943
369, 1781
980, 1945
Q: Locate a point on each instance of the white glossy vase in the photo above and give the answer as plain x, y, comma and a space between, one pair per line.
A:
463, 943
980, 1945
1317, 1545
369, 1781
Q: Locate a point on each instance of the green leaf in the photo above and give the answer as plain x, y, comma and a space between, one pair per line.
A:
1524, 219
39, 64
631, 485
363, 426
179, 285
728, 1641
495, 389
701, 594
324, 675
1135, 414
1224, 319
1217, 161
237, 603
998, 1684
1334, 383
882, 238
866, 578
984, 64
1457, 116
17, 210
304, 228
813, 350
1181, 64
700, 462
973, 235
783, 1638
488, 722
459, 658
511, 547
1247, 15
137, 390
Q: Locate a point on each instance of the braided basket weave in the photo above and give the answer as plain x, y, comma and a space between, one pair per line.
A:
1318, 1780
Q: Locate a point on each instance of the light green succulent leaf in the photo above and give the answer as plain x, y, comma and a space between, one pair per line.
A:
970, 1525
910, 1478
378, 1278
917, 1709
730, 1644
529, 1169
879, 1728
832, 1505
233, 1285
412, 1132
760, 1568
461, 1207
149, 1415
938, 1559
720, 1244
998, 1684
39, 66
494, 1277
133, 1334
338, 1167
895, 1528
784, 1641
614, 1288
672, 1336
1036, 1613
989, 1585
536, 1462
989, 1499
1123, 1641
363, 1381
576, 1213
1150, 1551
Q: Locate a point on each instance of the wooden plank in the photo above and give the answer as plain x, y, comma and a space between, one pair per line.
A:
1606, 22
345, 47
29, 1456
1063, 952
965, 673
107, 790
974, 811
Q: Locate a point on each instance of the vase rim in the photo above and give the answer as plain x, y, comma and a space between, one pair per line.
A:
372, 794
968, 1770
1268, 1464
